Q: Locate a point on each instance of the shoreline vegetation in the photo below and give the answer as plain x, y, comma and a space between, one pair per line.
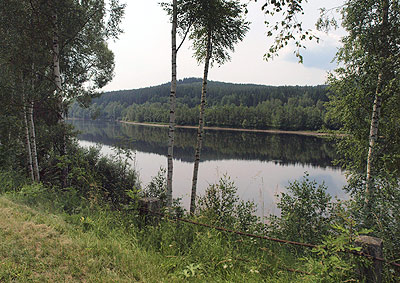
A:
271, 131
289, 108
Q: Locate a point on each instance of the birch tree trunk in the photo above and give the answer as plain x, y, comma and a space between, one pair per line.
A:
33, 142
200, 130
56, 60
376, 111
57, 82
172, 101
27, 139
373, 137
30, 135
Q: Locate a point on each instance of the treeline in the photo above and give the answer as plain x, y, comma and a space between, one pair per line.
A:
229, 105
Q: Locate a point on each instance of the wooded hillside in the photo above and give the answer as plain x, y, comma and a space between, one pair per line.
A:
229, 105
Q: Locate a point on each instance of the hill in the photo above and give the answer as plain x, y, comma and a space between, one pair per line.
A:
228, 105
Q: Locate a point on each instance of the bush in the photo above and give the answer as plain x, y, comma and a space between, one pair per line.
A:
221, 206
157, 187
332, 261
11, 181
383, 214
94, 176
306, 212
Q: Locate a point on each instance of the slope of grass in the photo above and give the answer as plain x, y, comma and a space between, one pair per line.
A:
37, 245
41, 247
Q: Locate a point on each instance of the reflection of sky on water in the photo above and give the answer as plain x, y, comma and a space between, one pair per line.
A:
259, 181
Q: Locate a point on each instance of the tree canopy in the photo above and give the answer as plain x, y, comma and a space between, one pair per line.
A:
29, 32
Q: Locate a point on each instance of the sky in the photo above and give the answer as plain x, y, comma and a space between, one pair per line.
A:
143, 51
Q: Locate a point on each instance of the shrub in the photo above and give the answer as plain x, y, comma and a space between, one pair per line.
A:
11, 181
221, 206
306, 212
94, 176
383, 214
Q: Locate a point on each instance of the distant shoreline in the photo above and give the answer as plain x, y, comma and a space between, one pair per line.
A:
303, 133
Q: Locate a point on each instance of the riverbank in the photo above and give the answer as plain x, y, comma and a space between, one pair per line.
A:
303, 133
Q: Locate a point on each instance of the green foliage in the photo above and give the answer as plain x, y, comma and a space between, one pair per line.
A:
370, 50
192, 270
11, 180
385, 210
11, 147
221, 23
221, 206
229, 105
28, 29
157, 187
287, 27
331, 262
191, 252
306, 212
69, 200
96, 177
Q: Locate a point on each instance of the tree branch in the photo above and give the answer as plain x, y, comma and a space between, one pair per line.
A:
184, 37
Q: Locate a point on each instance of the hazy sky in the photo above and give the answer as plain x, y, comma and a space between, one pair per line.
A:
143, 56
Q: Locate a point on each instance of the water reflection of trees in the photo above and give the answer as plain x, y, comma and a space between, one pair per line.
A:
284, 149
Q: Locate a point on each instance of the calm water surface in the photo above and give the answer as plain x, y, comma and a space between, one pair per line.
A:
260, 164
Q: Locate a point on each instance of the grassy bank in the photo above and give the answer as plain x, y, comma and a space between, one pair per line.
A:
43, 240
43, 247
97, 246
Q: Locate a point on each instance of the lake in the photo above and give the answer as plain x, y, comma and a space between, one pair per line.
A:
260, 164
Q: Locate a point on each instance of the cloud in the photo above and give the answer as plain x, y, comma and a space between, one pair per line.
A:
316, 55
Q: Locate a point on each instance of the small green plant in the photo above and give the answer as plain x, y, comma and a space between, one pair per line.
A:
192, 270
157, 187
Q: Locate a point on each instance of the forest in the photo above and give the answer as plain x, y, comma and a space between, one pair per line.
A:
228, 105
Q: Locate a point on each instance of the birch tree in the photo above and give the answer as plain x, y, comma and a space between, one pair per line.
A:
66, 39
219, 25
183, 14
27, 140
172, 101
383, 53
366, 88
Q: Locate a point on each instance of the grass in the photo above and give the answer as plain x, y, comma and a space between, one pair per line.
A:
42, 247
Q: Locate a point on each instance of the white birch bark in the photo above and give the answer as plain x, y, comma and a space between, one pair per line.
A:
33, 142
200, 129
27, 139
376, 111
373, 137
56, 60
172, 100
57, 82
